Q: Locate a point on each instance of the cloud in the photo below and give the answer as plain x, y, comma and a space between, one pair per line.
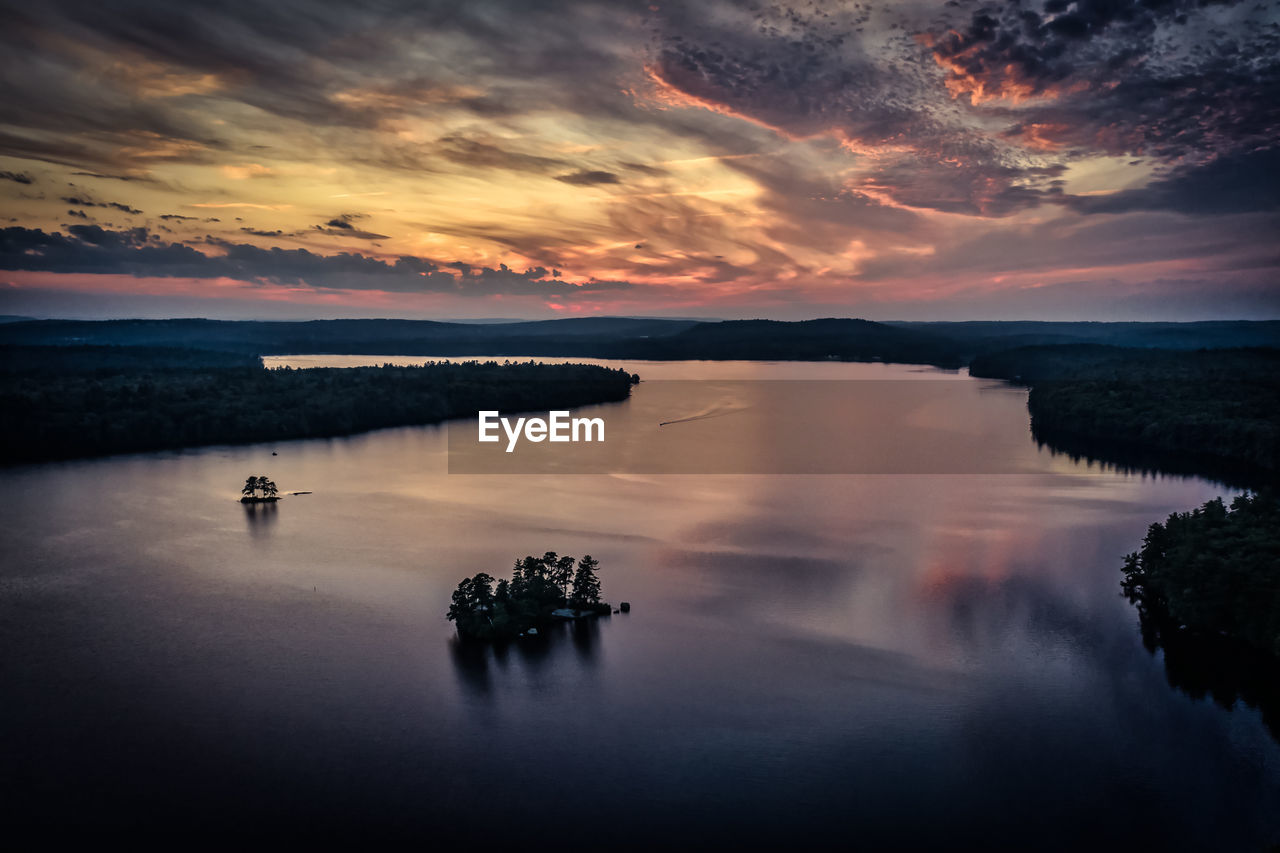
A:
341, 226
344, 220
742, 148
17, 177
478, 153
135, 251
246, 171
1025, 87
651, 171
257, 232
1164, 78
1233, 183
588, 178
813, 74
114, 205
125, 178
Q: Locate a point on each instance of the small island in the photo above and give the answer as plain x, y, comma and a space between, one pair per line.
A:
542, 590
253, 485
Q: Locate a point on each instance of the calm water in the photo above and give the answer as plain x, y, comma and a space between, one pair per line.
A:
892, 661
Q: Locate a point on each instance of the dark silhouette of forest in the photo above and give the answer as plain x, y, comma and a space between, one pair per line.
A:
602, 337
1210, 412
1214, 570
937, 343
1207, 587
541, 590
951, 344
119, 402
1206, 583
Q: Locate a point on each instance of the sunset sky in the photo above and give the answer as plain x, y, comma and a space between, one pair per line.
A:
1054, 160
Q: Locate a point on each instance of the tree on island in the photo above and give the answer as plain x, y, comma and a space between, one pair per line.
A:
560, 570
586, 586
538, 593
255, 484
472, 598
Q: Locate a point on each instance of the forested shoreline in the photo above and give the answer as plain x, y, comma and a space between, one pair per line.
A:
96, 404
1206, 584
1210, 412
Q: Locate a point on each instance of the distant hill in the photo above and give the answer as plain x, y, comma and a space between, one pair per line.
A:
409, 337
603, 337
943, 344
806, 340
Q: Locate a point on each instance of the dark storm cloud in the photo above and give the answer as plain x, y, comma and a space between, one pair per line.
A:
809, 73
135, 251
326, 64
959, 187
588, 178
17, 177
334, 67
801, 74
1166, 79
1236, 183
1035, 49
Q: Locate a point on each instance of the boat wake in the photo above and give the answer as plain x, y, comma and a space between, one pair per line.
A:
718, 411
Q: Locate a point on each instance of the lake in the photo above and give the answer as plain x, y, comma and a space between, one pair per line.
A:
901, 656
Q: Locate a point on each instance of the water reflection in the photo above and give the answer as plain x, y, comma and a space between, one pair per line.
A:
527, 660
585, 634
471, 666
260, 517
1205, 665
1127, 459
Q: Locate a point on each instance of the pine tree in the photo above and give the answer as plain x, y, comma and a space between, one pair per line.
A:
586, 586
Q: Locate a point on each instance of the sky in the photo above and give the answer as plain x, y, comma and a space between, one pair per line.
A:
1098, 159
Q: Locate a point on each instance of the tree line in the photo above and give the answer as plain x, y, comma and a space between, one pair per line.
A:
1206, 584
1214, 570
95, 412
1215, 412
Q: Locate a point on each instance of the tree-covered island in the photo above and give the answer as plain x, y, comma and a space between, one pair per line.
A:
542, 590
